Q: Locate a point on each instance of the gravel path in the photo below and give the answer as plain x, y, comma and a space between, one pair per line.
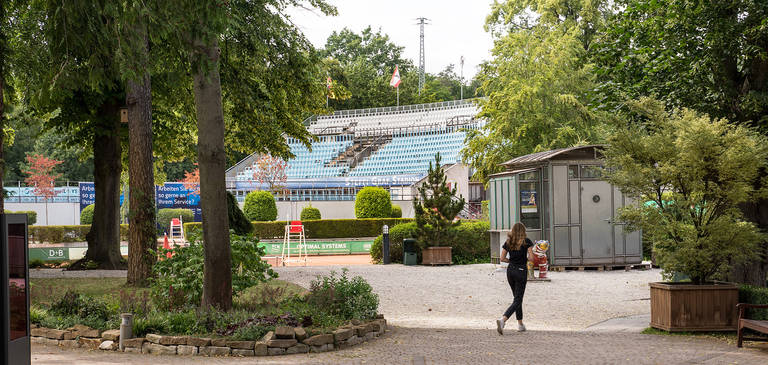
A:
467, 346
472, 296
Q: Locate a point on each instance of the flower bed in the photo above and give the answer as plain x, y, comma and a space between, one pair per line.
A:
282, 341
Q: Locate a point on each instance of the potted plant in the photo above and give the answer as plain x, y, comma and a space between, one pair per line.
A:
689, 174
435, 211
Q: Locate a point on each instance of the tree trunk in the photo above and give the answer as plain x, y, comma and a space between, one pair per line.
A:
104, 237
754, 272
142, 236
217, 276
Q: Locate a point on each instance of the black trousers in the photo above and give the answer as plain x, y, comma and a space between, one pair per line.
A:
517, 278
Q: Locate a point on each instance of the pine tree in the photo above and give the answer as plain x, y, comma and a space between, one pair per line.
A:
436, 208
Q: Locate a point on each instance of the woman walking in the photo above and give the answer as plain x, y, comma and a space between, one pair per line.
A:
516, 251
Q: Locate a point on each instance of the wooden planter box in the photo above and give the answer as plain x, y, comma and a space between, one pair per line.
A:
436, 256
688, 307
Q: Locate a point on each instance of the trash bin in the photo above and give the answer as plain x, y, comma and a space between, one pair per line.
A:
409, 251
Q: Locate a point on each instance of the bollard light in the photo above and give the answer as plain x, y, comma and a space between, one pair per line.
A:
385, 244
126, 329
385, 229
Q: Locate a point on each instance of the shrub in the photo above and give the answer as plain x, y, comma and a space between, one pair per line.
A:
86, 215
61, 234
238, 222
31, 215
471, 242
324, 228
397, 212
484, 210
342, 296
165, 215
178, 281
310, 213
707, 168
754, 295
396, 236
372, 202
260, 206
436, 208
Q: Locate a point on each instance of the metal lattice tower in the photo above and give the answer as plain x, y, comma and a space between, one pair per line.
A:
422, 22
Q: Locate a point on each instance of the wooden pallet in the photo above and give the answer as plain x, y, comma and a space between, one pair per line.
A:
611, 267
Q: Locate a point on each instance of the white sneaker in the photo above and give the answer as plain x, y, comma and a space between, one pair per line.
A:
520, 328
500, 326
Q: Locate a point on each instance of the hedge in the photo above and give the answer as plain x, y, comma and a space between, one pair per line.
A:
372, 202
31, 215
165, 215
260, 206
61, 234
754, 295
86, 215
310, 213
317, 229
471, 243
397, 212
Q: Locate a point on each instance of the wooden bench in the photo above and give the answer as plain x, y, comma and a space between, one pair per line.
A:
753, 324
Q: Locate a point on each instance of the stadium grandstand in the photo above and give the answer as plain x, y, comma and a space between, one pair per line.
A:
390, 147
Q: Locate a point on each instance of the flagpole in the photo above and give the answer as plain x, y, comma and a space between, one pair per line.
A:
398, 94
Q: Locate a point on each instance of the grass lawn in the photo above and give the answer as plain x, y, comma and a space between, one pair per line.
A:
46, 290
726, 336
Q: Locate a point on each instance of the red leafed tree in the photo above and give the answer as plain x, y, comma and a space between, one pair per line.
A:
271, 171
191, 181
42, 176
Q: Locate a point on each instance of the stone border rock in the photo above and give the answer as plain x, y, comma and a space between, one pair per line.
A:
282, 341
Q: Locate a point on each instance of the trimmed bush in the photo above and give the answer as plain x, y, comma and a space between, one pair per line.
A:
396, 236
86, 215
397, 212
237, 219
260, 206
310, 213
324, 228
373, 202
754, 295
165, 215
31, 215
470, 243
62, 234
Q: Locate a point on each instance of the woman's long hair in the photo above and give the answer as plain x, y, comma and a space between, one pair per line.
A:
516, 236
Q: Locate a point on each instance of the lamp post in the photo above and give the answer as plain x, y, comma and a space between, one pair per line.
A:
385, 244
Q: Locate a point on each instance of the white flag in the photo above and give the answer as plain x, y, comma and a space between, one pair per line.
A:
395, 82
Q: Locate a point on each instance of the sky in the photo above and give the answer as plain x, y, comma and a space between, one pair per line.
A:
456, 28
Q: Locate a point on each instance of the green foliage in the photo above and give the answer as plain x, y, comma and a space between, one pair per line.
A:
165, 215
655, 48
260, 206
62, 234
696, 171
238, 222
539, 83
310, 213
436, 208
339, 295
484, 210
470, 244
31, 215
397, 212
316, 229
86, 215
396, 236
754, 295
178, 281
372, 202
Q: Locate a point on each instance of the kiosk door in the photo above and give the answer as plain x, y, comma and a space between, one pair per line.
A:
596, 228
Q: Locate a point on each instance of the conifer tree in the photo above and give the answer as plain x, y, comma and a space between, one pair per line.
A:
436, 208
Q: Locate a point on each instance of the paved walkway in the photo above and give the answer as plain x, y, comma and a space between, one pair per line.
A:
468, 346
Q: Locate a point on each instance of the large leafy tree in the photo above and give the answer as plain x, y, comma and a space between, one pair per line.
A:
709, 56
269, 74
539, 83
